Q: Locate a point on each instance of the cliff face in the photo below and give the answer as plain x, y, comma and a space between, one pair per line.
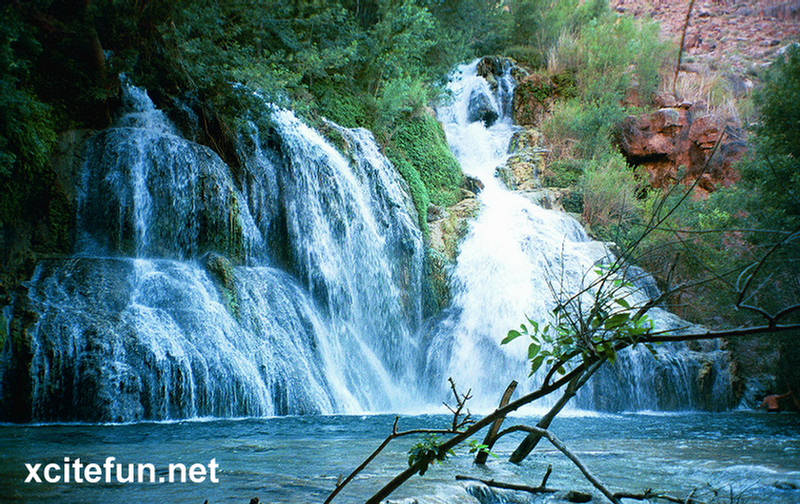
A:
729, 34
684, 135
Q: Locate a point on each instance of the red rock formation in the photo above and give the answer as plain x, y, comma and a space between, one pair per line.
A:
682, 135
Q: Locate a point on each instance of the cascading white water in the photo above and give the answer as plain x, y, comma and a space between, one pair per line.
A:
295, 284
512, 258
153, 318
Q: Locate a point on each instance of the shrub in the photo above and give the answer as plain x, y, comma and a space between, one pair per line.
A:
610, 190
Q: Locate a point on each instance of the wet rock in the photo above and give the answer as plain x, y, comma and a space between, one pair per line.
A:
785, 485
473, 185
575, 496
523, 169
435, 212
755, 388
446, 232
481, 108
550, 198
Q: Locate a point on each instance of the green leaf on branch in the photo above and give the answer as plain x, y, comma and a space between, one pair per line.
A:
533, 350
616, 321
536, 363
512, 335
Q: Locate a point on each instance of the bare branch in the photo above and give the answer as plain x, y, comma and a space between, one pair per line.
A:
680, 49
650, 494
560, 446
509, 486
726, 333
531, 440
490, 438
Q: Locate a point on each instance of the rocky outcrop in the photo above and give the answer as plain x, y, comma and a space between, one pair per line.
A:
447, 227
525, 165
683, 135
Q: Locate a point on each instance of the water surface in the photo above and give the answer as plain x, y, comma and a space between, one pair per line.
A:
298, 459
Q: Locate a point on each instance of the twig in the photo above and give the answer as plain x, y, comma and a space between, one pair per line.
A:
394, 435
546, 475
680, 49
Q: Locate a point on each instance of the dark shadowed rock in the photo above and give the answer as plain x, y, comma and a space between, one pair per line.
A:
481, 108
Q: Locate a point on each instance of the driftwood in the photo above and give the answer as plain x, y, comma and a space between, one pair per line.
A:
531, 440
650, 494
490, 438
576, 496
508, 486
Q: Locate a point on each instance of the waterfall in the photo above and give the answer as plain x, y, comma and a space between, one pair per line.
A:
294, 283
514, 252
290, 286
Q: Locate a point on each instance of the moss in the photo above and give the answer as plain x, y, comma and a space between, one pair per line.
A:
419, 194
419, 150
334, 136
221, 270
3, 331
438, 277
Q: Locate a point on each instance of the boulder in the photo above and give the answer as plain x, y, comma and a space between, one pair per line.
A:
481, 107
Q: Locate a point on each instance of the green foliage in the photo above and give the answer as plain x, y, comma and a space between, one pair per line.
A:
418, 147
27, 128
476, 446
609, 322
428, 451
774, 168
563, 173
610, 189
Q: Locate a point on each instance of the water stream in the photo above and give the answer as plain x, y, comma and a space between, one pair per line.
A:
297, 459
515, 254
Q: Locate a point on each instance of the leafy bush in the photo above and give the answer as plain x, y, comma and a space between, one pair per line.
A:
610, 190
772, 172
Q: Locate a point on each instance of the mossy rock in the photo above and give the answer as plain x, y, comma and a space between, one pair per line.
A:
523, 169
418, 148
438, 276
222, 272
537, 92
446, 234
